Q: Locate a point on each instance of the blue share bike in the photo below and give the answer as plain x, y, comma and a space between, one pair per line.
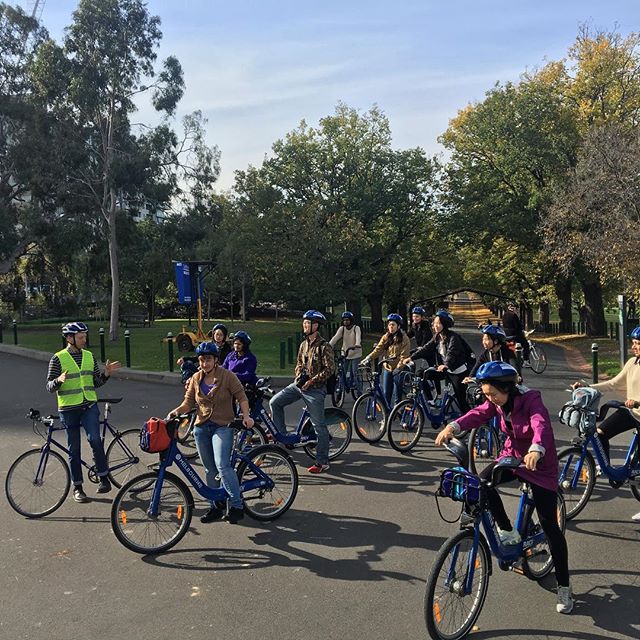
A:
578, 469
407, 418
39, 480
345, 381
459, 578
152, 512
337, 422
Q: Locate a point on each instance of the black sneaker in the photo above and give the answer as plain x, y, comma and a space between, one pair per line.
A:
105, 485
235, 515
213, 514
79, 495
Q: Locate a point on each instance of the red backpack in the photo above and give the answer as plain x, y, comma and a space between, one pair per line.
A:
154, 436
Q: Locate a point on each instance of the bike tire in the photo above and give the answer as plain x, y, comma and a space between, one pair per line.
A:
537, 561
337, 397
256, 437
340, 430
124, 452
369, 418
576, 498
37, 499
405, 425
136, 529
635, 490
484, 444
441, 599
537, 358
269, 504
185, 429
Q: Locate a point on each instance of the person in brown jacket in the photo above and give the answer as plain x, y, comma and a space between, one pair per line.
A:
394, 346
211, 391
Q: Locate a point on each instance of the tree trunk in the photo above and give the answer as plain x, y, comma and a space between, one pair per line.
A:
243, 307
528, 317
355, 306
375, 302
596, 323
544, 314
563, 291
115, 278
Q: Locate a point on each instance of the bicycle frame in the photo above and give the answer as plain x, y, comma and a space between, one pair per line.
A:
208, 493
437, 418
630, 469
260, 414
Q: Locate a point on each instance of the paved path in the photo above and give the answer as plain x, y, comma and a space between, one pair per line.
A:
349, 559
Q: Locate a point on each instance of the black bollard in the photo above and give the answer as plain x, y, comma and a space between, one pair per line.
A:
127, 347
1, 331
15, 332
283, 353
102, 350
519, 353
594, 362
290, 349
170, 345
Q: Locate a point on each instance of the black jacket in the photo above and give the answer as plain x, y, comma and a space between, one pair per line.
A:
455, 352
505, 355
511, 323
421, 332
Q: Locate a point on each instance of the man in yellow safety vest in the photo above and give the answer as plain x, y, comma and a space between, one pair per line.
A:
74, 376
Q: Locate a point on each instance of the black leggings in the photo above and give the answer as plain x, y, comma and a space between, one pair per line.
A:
619, 422
546, 502
459, 389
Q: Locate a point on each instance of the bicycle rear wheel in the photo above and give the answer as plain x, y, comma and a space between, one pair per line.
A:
340, 430
537, 358
484, 447
141, 532
577, 478
450, 613
369, 417
269, 504
37, 483
405, 425
126, 459
537, 561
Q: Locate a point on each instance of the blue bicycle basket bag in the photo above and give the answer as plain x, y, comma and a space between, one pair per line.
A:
581, 411
459, 485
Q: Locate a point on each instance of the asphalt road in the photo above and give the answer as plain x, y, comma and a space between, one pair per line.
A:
349, 560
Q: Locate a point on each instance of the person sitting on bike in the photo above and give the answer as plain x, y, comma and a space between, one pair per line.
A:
627, 382
351, 337
189, 364
393, 347
74, 375
451, 357
494, 341
420, 329
241, 360
525, 420
514, 330
212, 391
314, 366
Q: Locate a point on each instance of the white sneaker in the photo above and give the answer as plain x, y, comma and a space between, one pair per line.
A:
509, 537
636, 517
564, 604
598, 471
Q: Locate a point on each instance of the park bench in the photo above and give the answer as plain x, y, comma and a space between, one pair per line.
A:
134, 320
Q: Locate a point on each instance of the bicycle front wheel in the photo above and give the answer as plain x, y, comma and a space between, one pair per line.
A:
537, 358
340, 431
484, 444
369, 417
537, 561
126, 459
268, 504
37, 483
142, 532
405, 425
450, 612
577, 478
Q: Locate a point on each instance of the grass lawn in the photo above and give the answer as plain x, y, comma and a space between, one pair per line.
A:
150, 353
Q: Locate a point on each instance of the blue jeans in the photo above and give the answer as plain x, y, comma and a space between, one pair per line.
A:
89, 418
314, 401
215, 445
352, 373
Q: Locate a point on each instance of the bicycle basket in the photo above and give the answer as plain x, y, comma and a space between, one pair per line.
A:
365, 375
581, 411
459, 485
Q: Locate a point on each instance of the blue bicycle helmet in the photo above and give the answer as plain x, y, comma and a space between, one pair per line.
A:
496, 332
222, 328
419, 310
445, 317
71, 328
347, 315
635, 334
496, 371
244, 337
394, 317
207, 349
314, 316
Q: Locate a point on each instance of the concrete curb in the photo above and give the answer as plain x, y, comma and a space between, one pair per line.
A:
158, 377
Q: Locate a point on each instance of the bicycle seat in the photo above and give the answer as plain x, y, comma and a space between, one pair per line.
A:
110, 400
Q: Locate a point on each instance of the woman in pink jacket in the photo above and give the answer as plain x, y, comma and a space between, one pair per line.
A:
525, 420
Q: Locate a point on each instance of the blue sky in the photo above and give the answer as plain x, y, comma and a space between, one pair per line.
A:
256, 68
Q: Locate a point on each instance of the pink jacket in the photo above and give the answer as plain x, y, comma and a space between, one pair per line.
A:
531, 425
